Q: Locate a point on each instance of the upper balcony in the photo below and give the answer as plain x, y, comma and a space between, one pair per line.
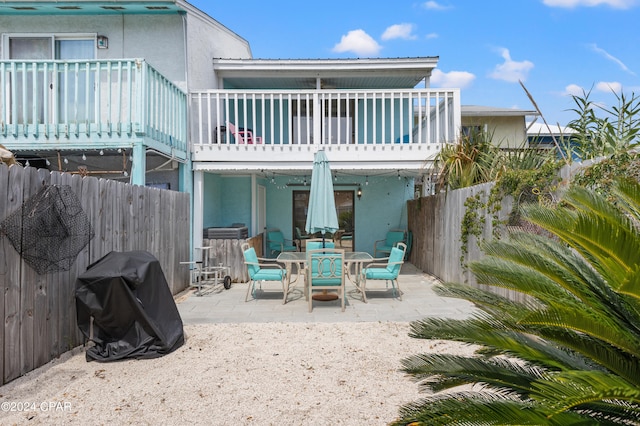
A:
363, 129
84, 104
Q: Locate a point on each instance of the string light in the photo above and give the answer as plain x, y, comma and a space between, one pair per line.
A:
84, 157
27, 164
399, 175
101, 152
46, 160
65, 160
366, 182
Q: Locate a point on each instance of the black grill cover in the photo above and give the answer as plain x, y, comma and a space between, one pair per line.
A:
134, 314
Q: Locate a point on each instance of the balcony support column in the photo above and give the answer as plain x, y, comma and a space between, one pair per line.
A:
138, 164
198, 212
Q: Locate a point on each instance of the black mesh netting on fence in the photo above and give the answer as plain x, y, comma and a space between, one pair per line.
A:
49, 229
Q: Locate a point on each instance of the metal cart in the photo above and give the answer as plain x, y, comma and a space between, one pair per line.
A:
204, 275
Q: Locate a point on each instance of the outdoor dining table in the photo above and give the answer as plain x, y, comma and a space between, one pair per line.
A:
352, 260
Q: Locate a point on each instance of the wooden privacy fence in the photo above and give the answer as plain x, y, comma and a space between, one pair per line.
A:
436, 225
38, 311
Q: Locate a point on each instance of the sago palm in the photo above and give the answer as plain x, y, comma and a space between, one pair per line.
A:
566, 350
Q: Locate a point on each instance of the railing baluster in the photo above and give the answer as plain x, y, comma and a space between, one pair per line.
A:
34, 97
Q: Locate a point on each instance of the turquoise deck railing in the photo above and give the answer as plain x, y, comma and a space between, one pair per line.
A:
77, 103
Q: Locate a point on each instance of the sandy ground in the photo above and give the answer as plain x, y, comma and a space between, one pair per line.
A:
233, 374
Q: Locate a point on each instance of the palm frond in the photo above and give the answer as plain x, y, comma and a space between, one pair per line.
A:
595, 324
571, 389
473, 408
499, 337
436, 372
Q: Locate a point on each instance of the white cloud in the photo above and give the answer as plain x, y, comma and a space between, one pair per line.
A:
452, 79
573, 90
608, 86
569, 4
358, 42
610, 57
403, 31
434, 5
511, 71
432, 35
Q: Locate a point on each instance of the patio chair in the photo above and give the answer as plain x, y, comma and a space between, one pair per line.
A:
325, 271
243, 136
383, 247
260, 272
316, 243
387, 271
301, 239
342, 235
276, 243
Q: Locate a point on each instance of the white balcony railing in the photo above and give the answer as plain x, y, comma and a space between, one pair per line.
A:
288, 117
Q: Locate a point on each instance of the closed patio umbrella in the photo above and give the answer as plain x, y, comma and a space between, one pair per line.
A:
321, 215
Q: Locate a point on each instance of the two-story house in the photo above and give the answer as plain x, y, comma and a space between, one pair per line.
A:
151, 92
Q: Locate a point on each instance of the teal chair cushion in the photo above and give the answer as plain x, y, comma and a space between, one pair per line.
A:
396, 255
256, 272
276, 241
324, 271
379, 274
267, 274
394, 237
315, 245
391, 271
251, 258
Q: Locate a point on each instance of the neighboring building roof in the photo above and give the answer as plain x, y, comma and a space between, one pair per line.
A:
487, 111
541, 129
358, 73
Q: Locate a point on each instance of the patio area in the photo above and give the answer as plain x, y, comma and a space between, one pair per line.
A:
418, 301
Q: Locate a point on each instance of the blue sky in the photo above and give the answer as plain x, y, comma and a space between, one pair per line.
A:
555, 47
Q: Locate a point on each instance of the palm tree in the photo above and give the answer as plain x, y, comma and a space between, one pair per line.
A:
567, 351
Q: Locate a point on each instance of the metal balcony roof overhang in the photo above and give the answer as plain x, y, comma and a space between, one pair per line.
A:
90, 7
358, 73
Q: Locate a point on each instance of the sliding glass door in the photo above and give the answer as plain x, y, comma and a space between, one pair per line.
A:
344, 208
35, 89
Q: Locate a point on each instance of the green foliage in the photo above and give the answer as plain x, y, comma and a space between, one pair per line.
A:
469, 162
527, 175
601, 175
601, 131
610, 133
472, 223
345, 220
567, 350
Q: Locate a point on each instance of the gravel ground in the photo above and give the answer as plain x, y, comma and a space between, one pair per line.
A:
233, 374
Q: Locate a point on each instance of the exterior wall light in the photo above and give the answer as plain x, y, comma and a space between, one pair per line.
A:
102, 42
359, 193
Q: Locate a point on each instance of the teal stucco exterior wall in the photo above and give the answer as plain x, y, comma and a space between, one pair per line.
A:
383, 205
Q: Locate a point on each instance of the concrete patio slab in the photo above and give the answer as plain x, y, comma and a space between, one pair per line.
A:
218, 305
